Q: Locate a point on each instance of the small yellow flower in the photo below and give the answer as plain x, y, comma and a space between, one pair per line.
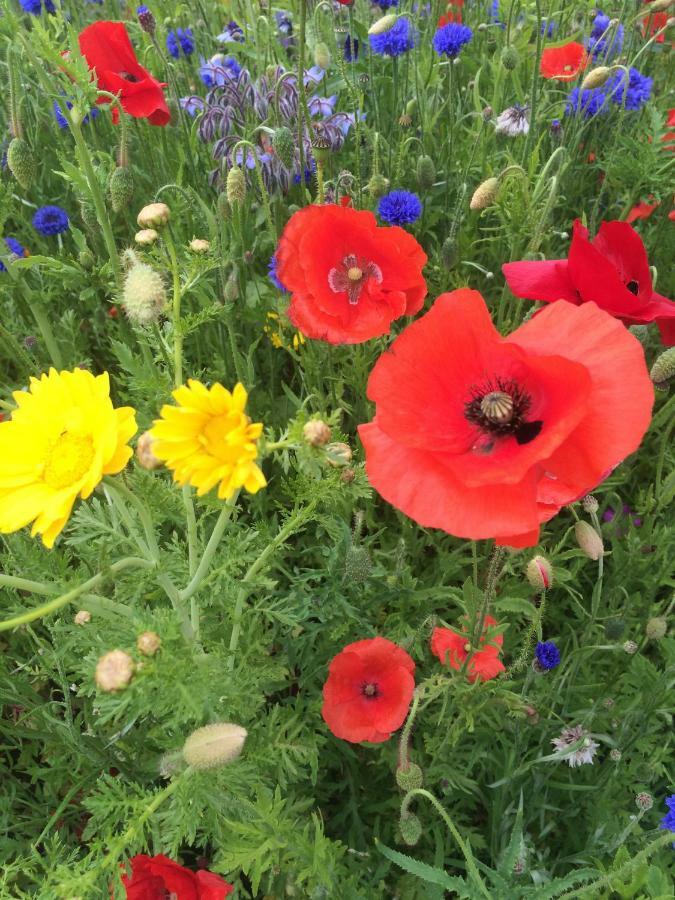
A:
62, 438
207, 439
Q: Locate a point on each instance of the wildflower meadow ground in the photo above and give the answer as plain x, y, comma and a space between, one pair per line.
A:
336, 449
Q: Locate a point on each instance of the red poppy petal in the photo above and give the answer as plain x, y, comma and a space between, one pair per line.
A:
484, 665
563, 63
176, 878
623, 247
106, 46
667, 329
548, 280
449, 647
212, 887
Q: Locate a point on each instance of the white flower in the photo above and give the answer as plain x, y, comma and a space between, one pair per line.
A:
513, 121
582, 755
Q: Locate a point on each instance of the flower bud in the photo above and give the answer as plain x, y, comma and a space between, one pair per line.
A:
146, 19
214, 745
316, 433
615, 755
411, 828
199, 245
347, 476
663, 370
485, 194
322, 55
590, 504
21, 162
143, 295
630, 647
383, 24
411, 107
121, 188
148, 643
235, 186
358, 565
644, 801
145, 237
589, 540
114, 671
154, 215
231, 289
410, 778
283, 146
338, 454
83, 617
539, 573
658, 6
510, 58
656, 628
86, 259
144, 456
596, 78
426, 172
449, 253
223, 206
377, 186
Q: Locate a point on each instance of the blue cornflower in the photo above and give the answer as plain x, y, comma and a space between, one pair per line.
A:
399, 208
34, 7
180, 39
310, 170
600, 24
351, 49
548, 29
218, 70
494, 14
548, 655
61, 120
50, 220
589, 103
387, 4
668, 821
602, 48
395, 41
634, 94
14, 247
450, 39
272, 274
232, 33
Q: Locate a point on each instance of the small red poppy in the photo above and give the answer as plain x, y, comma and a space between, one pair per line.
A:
487, 436
107, 49
655, 22
641, 210
349, 278
453, 648
368, 691
612, 270
156, 877
563, 63
453, 13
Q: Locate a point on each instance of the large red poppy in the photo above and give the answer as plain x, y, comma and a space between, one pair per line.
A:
156, 877
488, 437
108, 51
563, 63
612, 270
452, 648
349, 278
368, 692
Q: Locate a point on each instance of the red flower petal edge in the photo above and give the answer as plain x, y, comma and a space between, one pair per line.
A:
152, 877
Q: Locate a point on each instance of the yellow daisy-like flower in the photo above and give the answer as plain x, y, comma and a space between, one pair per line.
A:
62, 438
208, 439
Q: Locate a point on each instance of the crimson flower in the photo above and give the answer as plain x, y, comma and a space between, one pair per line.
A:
453, 13
612, 270
107, 49
487, 436
156, 877
641, 210
368, 691
453, 648
563, 63
349, 278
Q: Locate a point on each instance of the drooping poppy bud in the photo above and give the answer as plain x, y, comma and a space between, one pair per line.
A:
589, 540
539, 573
214, 745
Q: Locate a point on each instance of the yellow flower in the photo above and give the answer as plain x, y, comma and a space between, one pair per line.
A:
207, 439
62, 438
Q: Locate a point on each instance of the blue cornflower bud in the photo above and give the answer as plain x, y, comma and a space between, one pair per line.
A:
180, 39
547, 654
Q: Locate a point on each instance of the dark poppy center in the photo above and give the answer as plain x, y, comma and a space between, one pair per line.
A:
633, 287
127, 76
500, 408
370, 690
351, 275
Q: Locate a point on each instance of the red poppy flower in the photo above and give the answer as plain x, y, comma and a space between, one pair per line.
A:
563, 63
156, 877
653, 23
349, 277
452, 648
369, 688
612, 270
641, 210
488, 437
453, 13
108, 51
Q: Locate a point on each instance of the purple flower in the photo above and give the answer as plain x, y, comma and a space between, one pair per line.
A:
547, 654
15, 249
397, 40
49, 220
322, 106
272, 274
180, 39
449, 40
218, 70
232, 33
399, 208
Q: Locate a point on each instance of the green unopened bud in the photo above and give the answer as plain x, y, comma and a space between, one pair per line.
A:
89, 216
411, 828
663, 370
231, 290
358, 565
656, 628
214, 745
383, 24
485, 194
86, 259
322, 55
338, 454
143, 294
589, 540
410, 778
283, 146
449, 253
644, 801
411, 107
223, 206
377, 186
121, 188
596, 78
510, 58
21, 162
235, 186
614, 628
426, 172
539, 573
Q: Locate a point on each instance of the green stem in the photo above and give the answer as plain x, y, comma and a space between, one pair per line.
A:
534, 90
45, 328
175, 311
403, 758
302, 100
117, 485
191, 528
211, 547
23, 584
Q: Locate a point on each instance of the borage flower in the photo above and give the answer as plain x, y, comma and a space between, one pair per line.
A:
207, 440
453, 648
62, 438
611, 270
349, 278
368, 691
563, 63
108, 52
158, 876
488, 437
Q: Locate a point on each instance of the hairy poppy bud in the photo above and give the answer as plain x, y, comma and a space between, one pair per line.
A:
358, 565
322, 55
114, 671
144, 455
154, 215
663, 370
316, 433
143, 295
148, 643
121, 188
539, 573
21, 162
214, 745
596, 78
83, 617
656, 628
409, 778
485, 194
510, 58
338, 454
231, 289
223, 206
590, 504
377, 186
199, 245
283, 146
383, 24
145, 237
589, 540
411, 107
426, 172
411, 828
658, 6
235, 186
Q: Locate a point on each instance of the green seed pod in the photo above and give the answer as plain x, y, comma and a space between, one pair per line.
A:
235, 186
411, 107
121, 188
322, 55
449, 253
86, 258
656, 628
89, 216
510, 58
358, 565
320, 149
409, 779
485, 194
284, 146
426, 172
411, 829
377, 186
663, 370
223, 206
614, 628
214, 745
21, 162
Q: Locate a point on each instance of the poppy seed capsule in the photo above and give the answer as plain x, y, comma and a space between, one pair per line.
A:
411, 828
663, 370
114, 671
426, 172
316, 433
143, 295
235, 186
154, 215
497, 407
145, 237
595, 78
148, 643
121, 188
410, 778
21, 162
283, 146
589, 541
383, 24
145, 457
539, 573
214, 745
485, 194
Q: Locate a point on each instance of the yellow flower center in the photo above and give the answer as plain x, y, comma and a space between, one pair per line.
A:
354, 273
214, 438
68, 460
